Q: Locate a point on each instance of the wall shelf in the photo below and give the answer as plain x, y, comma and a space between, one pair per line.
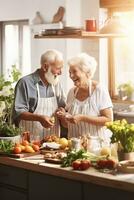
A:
82, 35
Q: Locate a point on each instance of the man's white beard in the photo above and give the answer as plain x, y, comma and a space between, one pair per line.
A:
51, 78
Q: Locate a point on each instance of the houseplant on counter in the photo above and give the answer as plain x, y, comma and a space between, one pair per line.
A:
126, 91
8, 131
123, 134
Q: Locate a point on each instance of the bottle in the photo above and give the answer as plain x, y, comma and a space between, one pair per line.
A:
94, 144
38, 19
76, 144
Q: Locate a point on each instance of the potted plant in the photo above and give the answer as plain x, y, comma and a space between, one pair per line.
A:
126, 91
7, 129
123, 134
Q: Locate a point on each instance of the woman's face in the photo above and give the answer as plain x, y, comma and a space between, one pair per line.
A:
79, 77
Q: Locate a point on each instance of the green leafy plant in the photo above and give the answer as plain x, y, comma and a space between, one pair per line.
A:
126, 89
6, 146
6, 102
123, 133
81, 154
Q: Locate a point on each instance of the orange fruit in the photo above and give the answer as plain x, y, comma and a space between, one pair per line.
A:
25, 142
37, 143
17, 149
35, 147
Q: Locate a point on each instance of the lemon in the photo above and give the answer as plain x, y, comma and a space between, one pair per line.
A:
105, 151
63, 142
53, 119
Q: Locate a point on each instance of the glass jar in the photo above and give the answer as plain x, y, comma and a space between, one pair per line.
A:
76, 144
94, 144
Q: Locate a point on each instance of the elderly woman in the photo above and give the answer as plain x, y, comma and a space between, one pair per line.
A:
89, 105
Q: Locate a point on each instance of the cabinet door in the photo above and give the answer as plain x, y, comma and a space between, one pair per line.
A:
6, 194
13, 176
51, 187
105, 193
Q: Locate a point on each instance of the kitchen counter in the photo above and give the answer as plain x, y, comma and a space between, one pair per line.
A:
122, 183
124, 111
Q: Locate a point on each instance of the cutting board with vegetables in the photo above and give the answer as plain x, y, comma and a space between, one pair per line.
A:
19, 155
19, 150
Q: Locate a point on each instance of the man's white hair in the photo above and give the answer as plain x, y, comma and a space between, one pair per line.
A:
84, 62
51, 56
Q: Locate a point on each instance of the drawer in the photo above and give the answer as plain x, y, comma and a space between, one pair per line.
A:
13, 176
6, 194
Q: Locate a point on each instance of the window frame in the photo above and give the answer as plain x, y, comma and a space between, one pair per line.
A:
20, 24
111, 61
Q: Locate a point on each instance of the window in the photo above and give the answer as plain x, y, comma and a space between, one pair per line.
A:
15, 46
122, 70
120, 54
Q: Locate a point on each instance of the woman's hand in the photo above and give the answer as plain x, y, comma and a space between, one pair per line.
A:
61, 109
73, 118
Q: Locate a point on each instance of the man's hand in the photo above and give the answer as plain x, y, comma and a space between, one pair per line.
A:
46, 121
60, 113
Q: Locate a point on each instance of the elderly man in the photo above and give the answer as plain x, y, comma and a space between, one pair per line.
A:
38, 95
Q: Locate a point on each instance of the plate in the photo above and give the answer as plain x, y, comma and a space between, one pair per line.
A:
126, 166
50, 145
44, 151
126, 114
53, 160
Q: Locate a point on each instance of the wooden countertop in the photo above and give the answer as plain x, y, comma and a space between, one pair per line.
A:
120, 181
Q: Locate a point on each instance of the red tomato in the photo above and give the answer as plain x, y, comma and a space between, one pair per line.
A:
110, 164
101, 164
85, 164
76, 164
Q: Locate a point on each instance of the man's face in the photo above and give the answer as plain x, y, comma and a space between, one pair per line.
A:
53, 72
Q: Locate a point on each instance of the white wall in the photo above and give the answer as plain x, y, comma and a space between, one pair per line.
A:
76, 13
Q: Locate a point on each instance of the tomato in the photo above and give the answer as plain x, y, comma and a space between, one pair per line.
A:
110, 164
85, 164
102, 164
76, 164
17, 149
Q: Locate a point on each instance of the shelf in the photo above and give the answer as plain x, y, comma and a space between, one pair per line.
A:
82, 35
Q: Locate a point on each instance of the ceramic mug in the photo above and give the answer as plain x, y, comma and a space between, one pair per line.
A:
91, 25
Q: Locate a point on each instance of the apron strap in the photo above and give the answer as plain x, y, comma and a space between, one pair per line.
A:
38, 92
53, 88
90, 87
75, 93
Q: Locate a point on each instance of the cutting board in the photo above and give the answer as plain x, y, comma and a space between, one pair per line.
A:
20, 155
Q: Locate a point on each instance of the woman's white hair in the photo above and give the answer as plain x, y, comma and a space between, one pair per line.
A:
84, 62
51, 56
